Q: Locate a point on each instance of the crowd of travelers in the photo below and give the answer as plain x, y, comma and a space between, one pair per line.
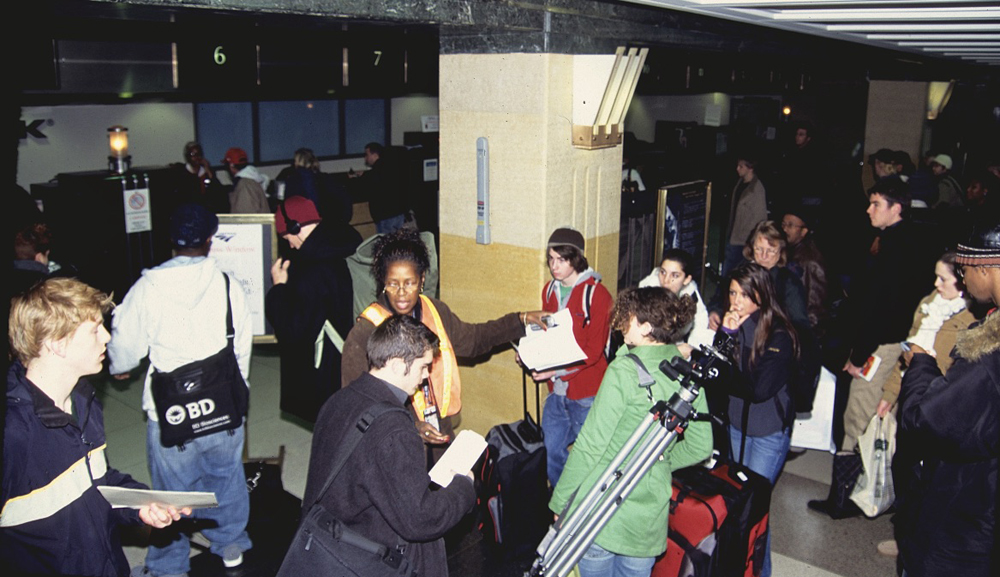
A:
920, 297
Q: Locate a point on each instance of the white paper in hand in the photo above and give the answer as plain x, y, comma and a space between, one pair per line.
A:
459, 458
125, 497
540, 350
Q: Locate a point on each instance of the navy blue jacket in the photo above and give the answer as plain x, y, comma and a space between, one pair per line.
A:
764, 385
54, 521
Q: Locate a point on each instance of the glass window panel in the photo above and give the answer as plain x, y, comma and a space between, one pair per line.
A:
286, 126
222, 125
364, 122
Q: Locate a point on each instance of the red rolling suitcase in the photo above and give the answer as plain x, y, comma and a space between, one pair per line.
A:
718, 523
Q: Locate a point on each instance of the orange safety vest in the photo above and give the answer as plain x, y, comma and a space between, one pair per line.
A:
445, 382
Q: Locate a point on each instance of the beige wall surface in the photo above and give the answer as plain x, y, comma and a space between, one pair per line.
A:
895, 120
523, 105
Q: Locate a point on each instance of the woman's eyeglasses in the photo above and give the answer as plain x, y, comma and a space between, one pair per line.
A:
407, 287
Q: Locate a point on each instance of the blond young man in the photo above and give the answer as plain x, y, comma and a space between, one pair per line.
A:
54, 520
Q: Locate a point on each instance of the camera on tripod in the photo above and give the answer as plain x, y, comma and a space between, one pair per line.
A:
702, 367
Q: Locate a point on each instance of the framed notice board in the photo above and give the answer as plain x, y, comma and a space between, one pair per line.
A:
682, 213
245, 247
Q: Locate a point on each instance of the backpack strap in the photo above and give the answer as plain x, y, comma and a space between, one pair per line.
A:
230, 331
588, 302
646, 380
351, 441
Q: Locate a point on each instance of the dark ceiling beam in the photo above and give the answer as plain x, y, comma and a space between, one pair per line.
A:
556, 26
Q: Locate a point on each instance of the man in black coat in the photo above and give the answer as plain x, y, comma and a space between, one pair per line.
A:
894, 276
897, 272
310, 304
384, 187
383, 490
947, 526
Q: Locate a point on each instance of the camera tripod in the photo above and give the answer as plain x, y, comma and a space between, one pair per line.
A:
570, 537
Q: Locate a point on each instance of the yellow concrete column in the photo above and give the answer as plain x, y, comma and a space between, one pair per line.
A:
522, 103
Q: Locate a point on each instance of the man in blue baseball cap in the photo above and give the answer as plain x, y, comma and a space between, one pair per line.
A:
176, 314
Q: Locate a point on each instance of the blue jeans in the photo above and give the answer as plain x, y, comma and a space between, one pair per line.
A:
390, 225
765, 456
599, 562
561, 422
210, 463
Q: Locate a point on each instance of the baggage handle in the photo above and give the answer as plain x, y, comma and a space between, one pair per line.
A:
524, 396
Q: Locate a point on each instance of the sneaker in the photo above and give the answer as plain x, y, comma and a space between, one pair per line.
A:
889, 548
232, 556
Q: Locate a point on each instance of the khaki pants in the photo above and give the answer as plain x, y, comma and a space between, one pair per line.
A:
864, 396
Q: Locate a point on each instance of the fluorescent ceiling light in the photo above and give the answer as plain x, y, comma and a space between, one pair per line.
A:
913, 27
935, 14
814, 3
955, 44
976, 50
933, 36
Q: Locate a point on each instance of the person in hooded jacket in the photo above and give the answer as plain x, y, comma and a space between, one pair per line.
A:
577, 287
309, 305
176, 314
249, 184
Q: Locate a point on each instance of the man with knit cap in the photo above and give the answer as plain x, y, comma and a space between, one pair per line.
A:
948, 526
577, 287
176, 313
310, 304
950, 192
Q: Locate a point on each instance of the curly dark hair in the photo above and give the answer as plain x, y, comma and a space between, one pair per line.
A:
402, 245
670, 315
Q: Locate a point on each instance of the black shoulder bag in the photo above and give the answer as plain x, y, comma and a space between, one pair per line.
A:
203, 397
324, 546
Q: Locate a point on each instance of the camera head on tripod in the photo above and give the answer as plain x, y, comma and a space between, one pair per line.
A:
701, 368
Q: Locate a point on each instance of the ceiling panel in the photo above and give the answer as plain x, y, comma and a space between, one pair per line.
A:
956, 29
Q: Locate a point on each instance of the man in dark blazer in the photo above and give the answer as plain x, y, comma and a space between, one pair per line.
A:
383, 490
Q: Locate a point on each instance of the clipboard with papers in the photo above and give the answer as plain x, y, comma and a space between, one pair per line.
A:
556, 347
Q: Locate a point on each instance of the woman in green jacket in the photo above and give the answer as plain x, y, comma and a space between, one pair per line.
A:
650, 319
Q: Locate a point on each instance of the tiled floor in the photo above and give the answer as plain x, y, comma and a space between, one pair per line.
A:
805, 543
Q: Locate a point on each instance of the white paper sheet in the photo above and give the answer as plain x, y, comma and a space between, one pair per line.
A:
556, 347
816, 431
124, 497
459, 458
